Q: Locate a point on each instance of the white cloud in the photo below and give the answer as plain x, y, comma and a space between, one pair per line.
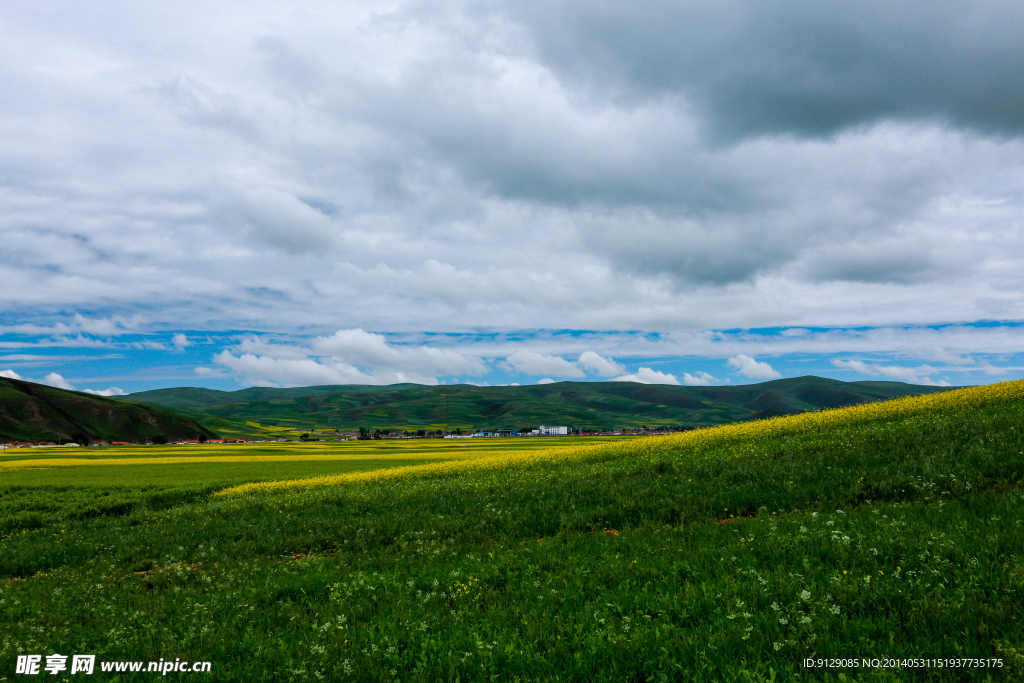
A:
362, 348
112, 391
55, 380
351, 356
267, 371
648, 376
918, 375
180, 341
78, 325
754, 369
533, 363
103, 327
605, 367
701, 379
278, 218
262, 347
546, 380
149, 345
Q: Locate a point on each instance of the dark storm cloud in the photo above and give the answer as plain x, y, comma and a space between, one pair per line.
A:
831, 127
800, 67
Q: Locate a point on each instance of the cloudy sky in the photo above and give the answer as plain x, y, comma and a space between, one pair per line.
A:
225, 194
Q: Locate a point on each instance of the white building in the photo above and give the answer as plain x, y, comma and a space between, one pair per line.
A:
551, 431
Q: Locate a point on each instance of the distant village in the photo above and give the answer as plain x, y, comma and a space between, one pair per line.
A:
561, 430
361, 434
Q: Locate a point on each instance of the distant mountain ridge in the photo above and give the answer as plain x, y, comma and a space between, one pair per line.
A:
34, 412
583, 404
188, 397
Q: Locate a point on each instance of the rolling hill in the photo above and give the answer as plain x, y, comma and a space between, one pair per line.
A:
608, 405
34, 412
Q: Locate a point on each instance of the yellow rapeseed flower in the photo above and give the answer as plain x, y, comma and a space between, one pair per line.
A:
744, 437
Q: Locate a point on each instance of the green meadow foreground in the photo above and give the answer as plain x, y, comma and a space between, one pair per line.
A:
885, 539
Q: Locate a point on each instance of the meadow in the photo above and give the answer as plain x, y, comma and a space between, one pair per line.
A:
887, 539
43, 486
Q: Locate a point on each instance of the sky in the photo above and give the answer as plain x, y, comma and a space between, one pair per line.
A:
229, 194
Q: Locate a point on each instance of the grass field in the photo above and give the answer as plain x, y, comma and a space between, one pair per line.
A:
42, 486
892, 530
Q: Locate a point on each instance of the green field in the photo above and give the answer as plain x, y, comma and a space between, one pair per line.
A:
890, 530
120, 478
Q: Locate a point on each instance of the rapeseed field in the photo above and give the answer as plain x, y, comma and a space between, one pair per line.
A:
747, 439
880, 542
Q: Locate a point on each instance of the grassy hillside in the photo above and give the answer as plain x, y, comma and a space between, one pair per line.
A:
886, 535
582, 404
192, 397
33, 412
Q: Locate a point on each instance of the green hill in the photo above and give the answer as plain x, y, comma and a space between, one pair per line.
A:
592, 405
193, 397
34, 412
